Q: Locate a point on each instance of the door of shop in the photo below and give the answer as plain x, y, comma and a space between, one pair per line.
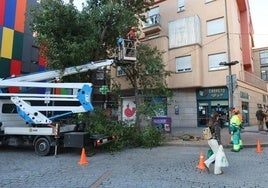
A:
204, 111
245, 113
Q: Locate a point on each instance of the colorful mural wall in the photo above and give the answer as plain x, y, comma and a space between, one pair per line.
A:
17, 53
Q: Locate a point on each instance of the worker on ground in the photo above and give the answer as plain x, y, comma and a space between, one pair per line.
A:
235, 128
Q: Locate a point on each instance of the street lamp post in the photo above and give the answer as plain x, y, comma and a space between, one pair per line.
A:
230, 63
230, 81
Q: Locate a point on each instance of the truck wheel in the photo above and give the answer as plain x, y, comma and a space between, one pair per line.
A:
42, 146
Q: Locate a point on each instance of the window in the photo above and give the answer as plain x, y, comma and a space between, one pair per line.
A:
264, 57
214, 61
153, 17
9, 109
215, 26
264, 73
181, 5
35, 54
184, 31
156, 104
207, 1
183, 64
100, 75
152, 14
120, 71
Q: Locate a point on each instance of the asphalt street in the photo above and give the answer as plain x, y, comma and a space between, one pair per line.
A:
165, 166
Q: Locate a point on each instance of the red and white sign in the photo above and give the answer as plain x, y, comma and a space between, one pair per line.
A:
129, 109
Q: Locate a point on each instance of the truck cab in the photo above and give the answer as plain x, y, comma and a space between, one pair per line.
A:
8, 115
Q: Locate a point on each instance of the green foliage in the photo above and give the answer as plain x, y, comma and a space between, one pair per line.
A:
148, 78
151, 137
73, 37
152, 74
126, 136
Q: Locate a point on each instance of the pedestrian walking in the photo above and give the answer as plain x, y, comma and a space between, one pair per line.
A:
219, 110
214, 142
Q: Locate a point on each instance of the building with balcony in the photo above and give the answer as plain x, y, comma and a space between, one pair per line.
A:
200, 39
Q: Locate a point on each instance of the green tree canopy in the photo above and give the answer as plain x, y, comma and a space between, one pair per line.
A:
73, 37
148, 79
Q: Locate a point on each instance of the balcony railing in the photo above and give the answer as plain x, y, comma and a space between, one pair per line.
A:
253, 80
152, 20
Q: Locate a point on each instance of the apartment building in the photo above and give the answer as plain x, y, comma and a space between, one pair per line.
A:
208, 45
260, 56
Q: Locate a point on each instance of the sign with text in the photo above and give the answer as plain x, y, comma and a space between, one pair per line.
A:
162, 123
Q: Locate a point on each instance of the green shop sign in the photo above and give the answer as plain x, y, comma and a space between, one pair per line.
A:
212, 93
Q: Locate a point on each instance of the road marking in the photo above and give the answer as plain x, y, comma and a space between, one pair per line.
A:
101, 179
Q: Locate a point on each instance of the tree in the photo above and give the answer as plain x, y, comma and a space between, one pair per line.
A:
148, 79
73, 37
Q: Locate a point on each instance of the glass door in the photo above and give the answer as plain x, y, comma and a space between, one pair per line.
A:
204, 110
245, 113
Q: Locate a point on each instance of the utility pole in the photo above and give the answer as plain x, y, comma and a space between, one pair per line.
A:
230, 89
229, 63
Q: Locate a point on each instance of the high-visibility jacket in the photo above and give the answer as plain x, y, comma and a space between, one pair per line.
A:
235, 120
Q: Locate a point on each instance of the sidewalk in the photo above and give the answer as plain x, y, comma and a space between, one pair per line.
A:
193, 137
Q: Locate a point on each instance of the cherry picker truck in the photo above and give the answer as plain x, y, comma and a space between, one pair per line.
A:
30, 118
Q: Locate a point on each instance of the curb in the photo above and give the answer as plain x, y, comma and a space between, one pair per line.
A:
165, 143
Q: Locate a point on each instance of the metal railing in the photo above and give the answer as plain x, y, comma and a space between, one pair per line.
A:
151, 21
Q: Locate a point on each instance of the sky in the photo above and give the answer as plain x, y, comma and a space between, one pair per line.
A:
259, 14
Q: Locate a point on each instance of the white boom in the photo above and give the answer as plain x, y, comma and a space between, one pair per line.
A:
32, 114
57, 74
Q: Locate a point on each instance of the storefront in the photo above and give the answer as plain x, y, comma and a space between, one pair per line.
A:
210, 100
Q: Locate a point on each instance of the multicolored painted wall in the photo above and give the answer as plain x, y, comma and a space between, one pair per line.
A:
18, 55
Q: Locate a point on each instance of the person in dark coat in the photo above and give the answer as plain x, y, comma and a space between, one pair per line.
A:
260, 117
214, 142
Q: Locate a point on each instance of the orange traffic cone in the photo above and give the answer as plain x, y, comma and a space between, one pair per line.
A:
201, 164
83, 158
259, 148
